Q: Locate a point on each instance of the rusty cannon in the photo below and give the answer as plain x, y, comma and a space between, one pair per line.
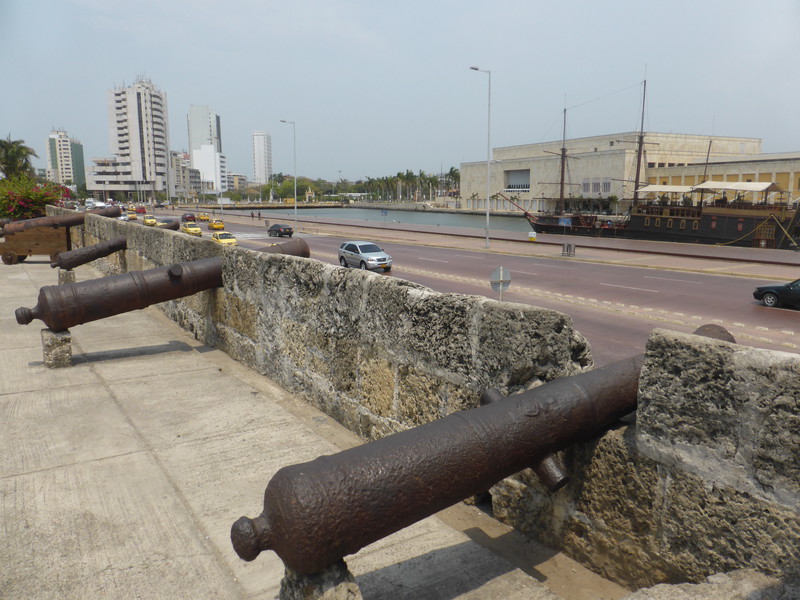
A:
66, 220
80, 256
296, 247
62, 306
318, 512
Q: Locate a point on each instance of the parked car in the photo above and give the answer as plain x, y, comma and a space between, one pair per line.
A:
149, 220
364, 255
779, 294
216, 224
203, 217
224, 238
192, 228
185, 217
280, 230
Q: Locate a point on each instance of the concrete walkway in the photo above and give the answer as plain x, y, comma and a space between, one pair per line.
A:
120, 476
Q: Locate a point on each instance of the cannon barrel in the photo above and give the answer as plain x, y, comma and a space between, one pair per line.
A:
67, 220
173, 224
80, 256
62, 306
317, 512
295, 247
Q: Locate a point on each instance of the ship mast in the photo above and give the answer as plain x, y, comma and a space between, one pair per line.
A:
639, 149
563, 163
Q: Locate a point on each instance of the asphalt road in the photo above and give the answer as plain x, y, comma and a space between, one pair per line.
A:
615, 301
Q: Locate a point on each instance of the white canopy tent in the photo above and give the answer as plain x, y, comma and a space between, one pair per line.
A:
739, 186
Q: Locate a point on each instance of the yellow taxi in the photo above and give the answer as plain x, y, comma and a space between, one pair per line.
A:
216, 224
225, 238
191, 229
132, 215
203, 217
149, 220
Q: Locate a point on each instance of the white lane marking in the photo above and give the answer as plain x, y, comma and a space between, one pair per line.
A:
433, 259
523, 272
671, 279
627, 287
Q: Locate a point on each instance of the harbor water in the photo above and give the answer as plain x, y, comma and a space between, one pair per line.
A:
386, 216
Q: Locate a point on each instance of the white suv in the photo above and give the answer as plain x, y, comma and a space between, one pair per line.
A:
364, 255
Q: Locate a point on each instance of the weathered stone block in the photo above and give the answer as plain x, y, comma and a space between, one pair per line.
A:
56, 348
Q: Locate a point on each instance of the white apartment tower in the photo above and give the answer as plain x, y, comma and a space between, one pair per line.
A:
262, 157
65, 159
138, 131
205, 147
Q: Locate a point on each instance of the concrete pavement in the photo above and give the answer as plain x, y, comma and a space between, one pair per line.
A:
121, 476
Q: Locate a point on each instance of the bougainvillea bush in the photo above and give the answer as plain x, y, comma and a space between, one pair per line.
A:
25, 198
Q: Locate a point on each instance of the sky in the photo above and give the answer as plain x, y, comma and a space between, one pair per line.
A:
376, 88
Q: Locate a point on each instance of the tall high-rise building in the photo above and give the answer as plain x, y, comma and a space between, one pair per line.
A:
138, 131
204, 129
65, 159
205, 147
262, 157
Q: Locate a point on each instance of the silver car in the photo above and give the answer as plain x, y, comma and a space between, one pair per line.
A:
364, 255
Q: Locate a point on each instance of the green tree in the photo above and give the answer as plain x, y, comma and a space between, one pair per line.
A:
15, 158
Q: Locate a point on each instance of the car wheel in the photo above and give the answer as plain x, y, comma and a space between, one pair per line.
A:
343, 262
289, 234
770, 299
363, 265
387, 269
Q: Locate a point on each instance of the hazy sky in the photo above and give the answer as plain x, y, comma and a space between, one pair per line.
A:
380, 87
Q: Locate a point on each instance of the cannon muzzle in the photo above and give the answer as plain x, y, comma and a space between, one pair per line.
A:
62, 306
295, 247
317, 512
80, 256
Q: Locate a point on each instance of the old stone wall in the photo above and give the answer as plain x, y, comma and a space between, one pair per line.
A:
377, 353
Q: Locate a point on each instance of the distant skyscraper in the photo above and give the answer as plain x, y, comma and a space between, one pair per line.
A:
204, 129
262, 157
205, 147
65, 159
138, 130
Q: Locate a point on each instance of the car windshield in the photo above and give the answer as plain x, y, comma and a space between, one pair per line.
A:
368, 248
225, 236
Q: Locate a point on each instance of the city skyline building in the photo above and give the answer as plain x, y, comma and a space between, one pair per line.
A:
262, 157
213, 168
204, 128
65, 163
139, 138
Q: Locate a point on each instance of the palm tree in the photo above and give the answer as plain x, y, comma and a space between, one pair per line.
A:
15, 158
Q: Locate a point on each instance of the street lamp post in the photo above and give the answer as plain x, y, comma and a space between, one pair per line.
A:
294, 152
488, 145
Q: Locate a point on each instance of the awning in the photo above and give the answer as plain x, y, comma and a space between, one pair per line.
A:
665, 189
739, 186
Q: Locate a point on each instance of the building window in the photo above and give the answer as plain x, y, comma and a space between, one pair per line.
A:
658, 222
695, 225
683, 223
518, 180
647, 221
669, 223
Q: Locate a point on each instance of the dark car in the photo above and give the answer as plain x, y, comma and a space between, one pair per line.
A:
280, 230
188, 217
779, 294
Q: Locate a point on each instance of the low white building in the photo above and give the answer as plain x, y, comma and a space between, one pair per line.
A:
598, 168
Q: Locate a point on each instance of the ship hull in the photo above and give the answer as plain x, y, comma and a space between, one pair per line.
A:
759, 227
